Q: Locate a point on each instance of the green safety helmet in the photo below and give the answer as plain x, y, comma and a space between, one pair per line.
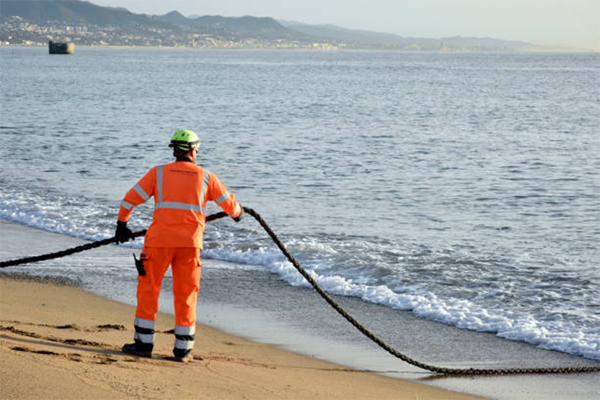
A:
185, 140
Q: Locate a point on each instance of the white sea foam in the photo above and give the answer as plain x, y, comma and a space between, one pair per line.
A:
461, 313
57, 217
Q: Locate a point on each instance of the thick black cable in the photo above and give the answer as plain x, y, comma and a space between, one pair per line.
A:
84, 247
335, 305
391, 350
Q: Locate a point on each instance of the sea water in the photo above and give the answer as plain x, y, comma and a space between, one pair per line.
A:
463, 187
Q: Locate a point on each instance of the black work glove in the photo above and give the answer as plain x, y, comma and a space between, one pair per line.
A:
241, 216
123, 233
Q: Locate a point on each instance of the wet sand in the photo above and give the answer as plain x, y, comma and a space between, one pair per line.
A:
32, 335
58, 341
61, 342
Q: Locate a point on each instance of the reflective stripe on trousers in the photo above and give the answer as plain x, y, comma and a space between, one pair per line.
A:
144, 330
184, 337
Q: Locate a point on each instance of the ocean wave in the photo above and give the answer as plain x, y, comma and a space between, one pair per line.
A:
355, 267
564, 336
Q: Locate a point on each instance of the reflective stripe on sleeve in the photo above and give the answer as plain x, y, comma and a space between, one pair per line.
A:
141, 192
126, 205
224, 197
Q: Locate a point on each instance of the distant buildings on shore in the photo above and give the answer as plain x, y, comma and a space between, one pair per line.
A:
17, 31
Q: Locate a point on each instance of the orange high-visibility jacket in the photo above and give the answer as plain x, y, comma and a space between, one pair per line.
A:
181, 190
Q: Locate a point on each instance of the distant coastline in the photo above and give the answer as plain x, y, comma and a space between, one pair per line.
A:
30, 23
114, 46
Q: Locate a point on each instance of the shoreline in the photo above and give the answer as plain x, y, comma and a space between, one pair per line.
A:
498, 51
284, 327
64, 342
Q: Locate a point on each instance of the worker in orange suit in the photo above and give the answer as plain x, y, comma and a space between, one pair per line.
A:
181, 190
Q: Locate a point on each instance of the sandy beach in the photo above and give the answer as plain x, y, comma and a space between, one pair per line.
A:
60, 342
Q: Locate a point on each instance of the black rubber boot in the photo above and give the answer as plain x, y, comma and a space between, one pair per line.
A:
183, 355
138, 349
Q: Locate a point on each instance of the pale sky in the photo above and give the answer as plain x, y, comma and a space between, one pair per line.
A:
546, 22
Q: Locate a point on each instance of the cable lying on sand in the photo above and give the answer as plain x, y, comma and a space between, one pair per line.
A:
331, 301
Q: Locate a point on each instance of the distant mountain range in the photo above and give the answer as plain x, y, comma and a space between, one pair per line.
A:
72, 12
34, 22
241, 27
377, 39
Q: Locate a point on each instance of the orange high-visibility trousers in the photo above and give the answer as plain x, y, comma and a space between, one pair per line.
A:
186, 267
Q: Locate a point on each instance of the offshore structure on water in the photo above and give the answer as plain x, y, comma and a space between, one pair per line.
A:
61, 48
